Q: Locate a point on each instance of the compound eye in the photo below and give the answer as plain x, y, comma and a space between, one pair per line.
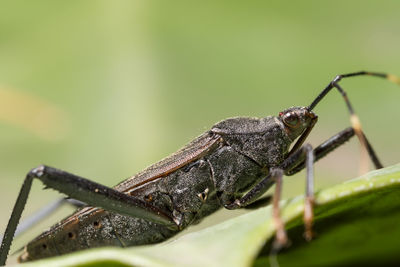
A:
291, 120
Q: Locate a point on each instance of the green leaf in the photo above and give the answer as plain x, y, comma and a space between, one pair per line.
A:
356, 222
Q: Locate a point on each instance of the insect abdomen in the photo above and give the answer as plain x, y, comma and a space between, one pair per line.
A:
94, 227
77, 232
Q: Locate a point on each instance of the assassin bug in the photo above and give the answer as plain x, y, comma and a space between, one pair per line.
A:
231, 166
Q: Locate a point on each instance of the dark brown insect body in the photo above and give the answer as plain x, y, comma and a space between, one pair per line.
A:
210, 172
230, 166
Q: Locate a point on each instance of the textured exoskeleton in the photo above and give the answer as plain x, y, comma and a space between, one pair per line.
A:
231, 166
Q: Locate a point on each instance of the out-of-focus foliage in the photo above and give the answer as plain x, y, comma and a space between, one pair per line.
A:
105, 88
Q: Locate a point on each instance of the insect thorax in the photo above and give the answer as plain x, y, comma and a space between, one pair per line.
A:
263, 140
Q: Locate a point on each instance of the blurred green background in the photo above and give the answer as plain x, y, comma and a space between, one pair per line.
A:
105, 88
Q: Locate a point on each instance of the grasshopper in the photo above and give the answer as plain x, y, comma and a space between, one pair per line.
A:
231, 166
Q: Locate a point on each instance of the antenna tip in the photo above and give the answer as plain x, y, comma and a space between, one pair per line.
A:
393, 78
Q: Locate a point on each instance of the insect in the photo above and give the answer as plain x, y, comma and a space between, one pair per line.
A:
232, 165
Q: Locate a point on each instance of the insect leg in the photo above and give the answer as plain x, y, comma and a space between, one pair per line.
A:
99, 195
304, 154
307, 152
328, 146
360, 134
307, 161
14, 219
43, 213
261, 202
259, 189
74, 202
293, 164
37, 216
253, 195
309, 197
281, 238
83, 190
